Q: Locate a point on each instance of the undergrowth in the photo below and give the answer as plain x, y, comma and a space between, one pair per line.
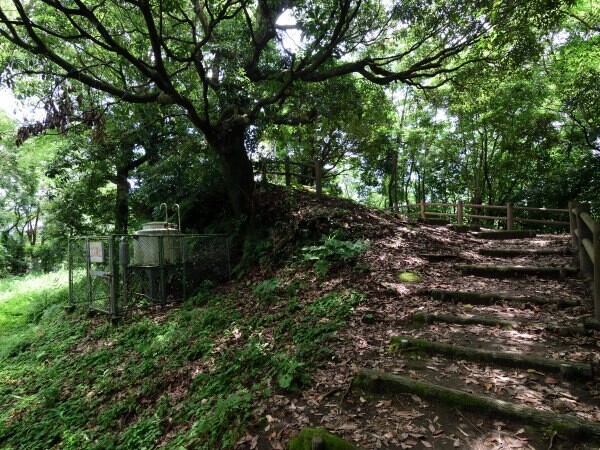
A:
188, 377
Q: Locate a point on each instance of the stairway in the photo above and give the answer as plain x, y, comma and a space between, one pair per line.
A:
491, 366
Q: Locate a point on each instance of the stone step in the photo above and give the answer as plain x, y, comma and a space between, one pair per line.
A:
490, 298
506, 234
569, 426
514, 252
553, 272
566, 369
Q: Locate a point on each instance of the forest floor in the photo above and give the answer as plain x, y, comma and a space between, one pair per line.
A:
308, 333
407, 420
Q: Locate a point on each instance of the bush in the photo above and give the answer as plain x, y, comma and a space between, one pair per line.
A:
333, 250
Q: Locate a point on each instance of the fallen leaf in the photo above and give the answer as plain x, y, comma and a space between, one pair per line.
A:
551, 380
417, 436
462, 431
438, 431
253, 440
516, 444
431, 427
426, 444
457, 442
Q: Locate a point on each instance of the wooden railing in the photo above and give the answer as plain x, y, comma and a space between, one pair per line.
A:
274, 167
586, 241
460, 212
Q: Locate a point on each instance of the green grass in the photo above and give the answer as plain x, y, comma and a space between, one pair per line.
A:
187, 377
23, 301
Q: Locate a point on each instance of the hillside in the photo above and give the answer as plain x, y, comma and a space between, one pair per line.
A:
283, 346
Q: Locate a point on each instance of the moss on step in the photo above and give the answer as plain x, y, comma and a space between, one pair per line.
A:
567, 369
408, 277
317, 438
569, 426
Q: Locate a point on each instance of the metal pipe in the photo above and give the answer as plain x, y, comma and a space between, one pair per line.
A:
166, 213
178, 217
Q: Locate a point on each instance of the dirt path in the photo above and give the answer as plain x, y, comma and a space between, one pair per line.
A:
406, 419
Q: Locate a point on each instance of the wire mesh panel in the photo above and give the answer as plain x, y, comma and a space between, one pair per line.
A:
91, 272
170, 268
78, 286
206, 257
114, 274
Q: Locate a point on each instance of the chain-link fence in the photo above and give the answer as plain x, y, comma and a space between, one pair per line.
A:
113, 274
90, 274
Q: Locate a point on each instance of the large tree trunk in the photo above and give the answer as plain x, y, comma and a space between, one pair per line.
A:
237, 168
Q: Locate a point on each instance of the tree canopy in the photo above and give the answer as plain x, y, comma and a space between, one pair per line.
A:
172, 101
231, 64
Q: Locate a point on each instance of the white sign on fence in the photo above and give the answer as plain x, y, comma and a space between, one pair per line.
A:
96, 252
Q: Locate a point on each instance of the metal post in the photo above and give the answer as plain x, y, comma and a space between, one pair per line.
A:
88, 269
113, 268
161, 263
124, 263
183, 269
509, 216
596, 262
459, 216
71, 287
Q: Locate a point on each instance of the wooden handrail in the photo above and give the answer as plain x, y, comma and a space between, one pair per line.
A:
585, 233
550, 210
509, 218
288, 174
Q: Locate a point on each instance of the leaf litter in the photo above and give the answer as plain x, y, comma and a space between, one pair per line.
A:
407, 421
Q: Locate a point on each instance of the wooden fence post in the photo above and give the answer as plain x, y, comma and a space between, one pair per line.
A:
288, 175
263, 170
585, 262
573, 225
459, 213
422, 209
318, 178
509, 216
596, 274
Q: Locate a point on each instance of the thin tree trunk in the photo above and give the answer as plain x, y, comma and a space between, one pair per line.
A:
122, 202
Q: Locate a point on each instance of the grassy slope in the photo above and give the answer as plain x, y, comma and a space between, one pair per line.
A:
189, 376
